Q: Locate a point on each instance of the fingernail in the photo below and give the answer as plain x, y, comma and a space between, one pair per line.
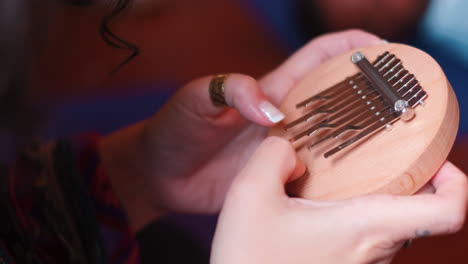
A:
273, 114
385, 41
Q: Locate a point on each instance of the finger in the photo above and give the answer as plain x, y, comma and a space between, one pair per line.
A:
241, 92
428, 188
449, 179
278, 83
272, 165
409, 217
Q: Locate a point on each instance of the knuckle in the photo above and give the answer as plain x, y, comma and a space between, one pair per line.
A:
372, 247
285, 153
364, 248
240, 88
456, 220
247, 82
278, 143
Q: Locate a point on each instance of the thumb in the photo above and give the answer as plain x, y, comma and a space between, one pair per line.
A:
272, 165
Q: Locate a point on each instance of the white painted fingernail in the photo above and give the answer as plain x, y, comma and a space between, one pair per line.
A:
273, 114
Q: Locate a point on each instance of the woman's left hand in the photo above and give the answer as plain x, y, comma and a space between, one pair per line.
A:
185, 157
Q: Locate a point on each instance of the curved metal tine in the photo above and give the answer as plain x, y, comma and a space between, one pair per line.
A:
408, 87
364, 121
350, 80
394, 68
332, 91
359, 122
381, 59
397, 80
416, 91
400, 71
323, 95
417, 98
355, 107
391, 66
371, 129
330, 107
354, 84
400, 83
405, 83
305, 117
412, 93
341, 116
312, 130
387, 63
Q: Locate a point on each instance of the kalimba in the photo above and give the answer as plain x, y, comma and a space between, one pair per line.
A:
375, 120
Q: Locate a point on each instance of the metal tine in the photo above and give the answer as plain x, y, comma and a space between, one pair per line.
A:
348, 112
401, 72
381, 59
342, 115
416, 99
345, 99
408, 88
403, 82
398, 72
406, 82
372, 114
402, 75
354, 82
350, 80
387, 63
330, 107
350, 109
413, 98
394, 68
325, 108
371, 129
324, 94
364, 121
414, 94
359, 122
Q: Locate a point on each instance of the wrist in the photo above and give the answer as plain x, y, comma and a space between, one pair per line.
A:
122, 159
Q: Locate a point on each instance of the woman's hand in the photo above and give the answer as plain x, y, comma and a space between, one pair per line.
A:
259, 223
185, 156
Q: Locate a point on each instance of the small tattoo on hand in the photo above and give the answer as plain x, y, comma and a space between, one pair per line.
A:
424, 233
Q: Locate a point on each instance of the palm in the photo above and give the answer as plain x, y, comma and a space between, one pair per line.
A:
199, 185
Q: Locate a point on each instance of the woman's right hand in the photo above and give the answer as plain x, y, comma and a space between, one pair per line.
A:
259, 223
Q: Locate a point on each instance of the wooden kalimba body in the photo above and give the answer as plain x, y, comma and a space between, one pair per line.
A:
375, 120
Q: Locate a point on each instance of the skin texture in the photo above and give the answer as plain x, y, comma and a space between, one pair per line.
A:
261, 224
185, 157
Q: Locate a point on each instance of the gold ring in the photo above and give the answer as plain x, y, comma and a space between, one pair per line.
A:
217, 90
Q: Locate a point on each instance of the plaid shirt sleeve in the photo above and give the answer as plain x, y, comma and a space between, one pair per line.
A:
119, 242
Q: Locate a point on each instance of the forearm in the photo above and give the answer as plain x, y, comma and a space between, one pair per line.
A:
122, 158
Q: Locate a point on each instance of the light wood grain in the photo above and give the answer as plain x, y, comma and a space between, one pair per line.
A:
399, 160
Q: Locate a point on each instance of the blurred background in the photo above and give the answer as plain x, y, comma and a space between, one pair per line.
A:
185, 39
